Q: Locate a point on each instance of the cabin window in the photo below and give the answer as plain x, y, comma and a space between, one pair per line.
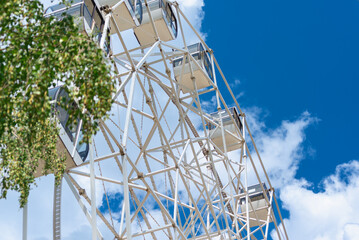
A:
90, 6
132, 4
207, 65
98, 22
87, 16
177, 62
226, 119
152, 6
75, 11
59, 95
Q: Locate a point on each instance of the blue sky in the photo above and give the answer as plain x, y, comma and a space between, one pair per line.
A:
291, 57
296, 63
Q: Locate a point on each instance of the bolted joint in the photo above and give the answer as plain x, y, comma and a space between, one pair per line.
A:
211, 166
193, 78
205, 151
148, 100
140, 175
242, 114
105, 9
82, 191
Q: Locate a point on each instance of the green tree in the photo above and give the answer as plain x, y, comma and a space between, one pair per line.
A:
36, 53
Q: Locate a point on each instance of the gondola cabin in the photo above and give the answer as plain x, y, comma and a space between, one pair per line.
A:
202, 69
74, 151
127, 15
164, 20
86, 15
258, 211
232, 128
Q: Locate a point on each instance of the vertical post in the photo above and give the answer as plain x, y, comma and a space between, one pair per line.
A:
126, 191
246, 178
176, 200
93, 193
104, 32
269, 213
122, 216
56, 218
24, 222
208, 172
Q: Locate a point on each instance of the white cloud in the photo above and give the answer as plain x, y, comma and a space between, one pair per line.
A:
351, 231
210, 105
281, 148
235, 83
238, 95
329, 214
193, 11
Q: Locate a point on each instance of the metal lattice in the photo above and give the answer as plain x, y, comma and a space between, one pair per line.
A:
173, 168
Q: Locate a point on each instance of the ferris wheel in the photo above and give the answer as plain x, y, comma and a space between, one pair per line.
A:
178, 168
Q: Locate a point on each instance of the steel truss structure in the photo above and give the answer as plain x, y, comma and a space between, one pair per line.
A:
155, 156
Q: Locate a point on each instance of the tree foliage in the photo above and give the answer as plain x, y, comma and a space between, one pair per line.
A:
37, 53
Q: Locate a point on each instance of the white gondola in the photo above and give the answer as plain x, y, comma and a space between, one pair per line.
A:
75, 153
258, 209
202, 72
164, 19
231, 130
127, 15
86, 15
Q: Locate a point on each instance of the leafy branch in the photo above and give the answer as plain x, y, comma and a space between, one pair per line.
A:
37, 53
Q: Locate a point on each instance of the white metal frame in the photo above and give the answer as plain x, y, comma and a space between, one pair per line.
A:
171, 166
